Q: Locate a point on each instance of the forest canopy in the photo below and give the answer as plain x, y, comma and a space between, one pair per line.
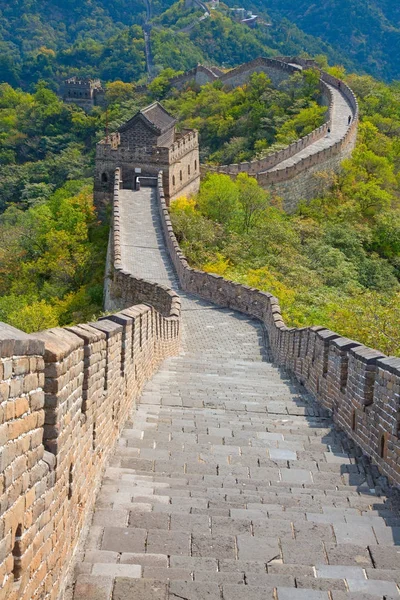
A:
252, 120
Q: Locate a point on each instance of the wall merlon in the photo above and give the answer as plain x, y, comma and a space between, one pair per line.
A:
344, 344
390, 364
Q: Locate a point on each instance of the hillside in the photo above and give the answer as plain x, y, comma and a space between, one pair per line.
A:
50, 41
44, 40
366, 31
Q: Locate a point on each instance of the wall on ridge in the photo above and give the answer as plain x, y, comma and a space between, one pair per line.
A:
300, 181
309, 178
360, 386
65, 394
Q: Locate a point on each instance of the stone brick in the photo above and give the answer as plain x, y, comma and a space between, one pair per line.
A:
88, 587
147, 589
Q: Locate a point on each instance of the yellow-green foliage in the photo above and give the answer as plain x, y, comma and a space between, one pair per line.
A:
52, 261
237, 124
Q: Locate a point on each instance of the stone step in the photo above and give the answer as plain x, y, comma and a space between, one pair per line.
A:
149, 582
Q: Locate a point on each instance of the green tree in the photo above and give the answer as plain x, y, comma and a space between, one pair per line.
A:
218, 198
253, 200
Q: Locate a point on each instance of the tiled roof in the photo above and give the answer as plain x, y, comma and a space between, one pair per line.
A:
155, 115
158, 116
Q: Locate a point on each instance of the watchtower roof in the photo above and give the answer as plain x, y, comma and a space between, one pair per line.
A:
155, 116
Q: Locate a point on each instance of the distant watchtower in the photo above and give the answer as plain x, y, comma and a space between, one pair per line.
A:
86, 93
143, 146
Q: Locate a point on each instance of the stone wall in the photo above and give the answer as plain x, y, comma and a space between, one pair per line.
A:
309, 179
359, 385
276, 70
65, 394
300, 181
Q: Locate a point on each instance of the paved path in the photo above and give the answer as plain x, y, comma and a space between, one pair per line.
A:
340, 115
228, 482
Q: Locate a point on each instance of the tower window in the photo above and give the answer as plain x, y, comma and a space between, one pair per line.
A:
383, 447
180, 175
17, 553
188, 169
104, 178
173, 180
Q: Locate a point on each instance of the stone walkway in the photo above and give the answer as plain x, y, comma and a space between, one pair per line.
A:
341, 112
228, 482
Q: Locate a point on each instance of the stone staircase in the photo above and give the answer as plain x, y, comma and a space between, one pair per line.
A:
229, 482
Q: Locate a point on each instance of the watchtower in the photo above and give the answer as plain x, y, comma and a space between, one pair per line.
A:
143, 146
86, 93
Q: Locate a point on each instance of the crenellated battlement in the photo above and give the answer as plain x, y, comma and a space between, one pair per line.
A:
358, 385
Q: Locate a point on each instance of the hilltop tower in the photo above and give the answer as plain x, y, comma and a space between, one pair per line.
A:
86, 93
143, 146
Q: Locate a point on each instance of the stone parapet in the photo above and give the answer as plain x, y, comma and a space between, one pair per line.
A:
359, 386
65, 394
267, 170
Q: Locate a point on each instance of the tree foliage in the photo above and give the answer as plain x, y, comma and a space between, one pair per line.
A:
240, 124
52, 260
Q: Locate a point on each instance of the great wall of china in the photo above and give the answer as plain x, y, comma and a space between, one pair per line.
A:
230, 478
291, 173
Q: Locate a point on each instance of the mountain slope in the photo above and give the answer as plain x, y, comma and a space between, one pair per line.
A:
52, 39
366, 31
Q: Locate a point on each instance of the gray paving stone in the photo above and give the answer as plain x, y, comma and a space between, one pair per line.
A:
321, 584
145, 589
305, 531
387, 536
229, 526
119, 539
294, 570
145, 560
339, 572
369, 586
385, 574
298, 594
213, 546
165, 574
354, 534
101, 556
117, 570
194, 563
191, 523
235, 577
272, 528
348, 554
168, 542
242, 566
193, 591
90, 587
359, 596
148, 520
270, 580
110, 517
253, 592
298, 476
282, 454
251, 548
311, 553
